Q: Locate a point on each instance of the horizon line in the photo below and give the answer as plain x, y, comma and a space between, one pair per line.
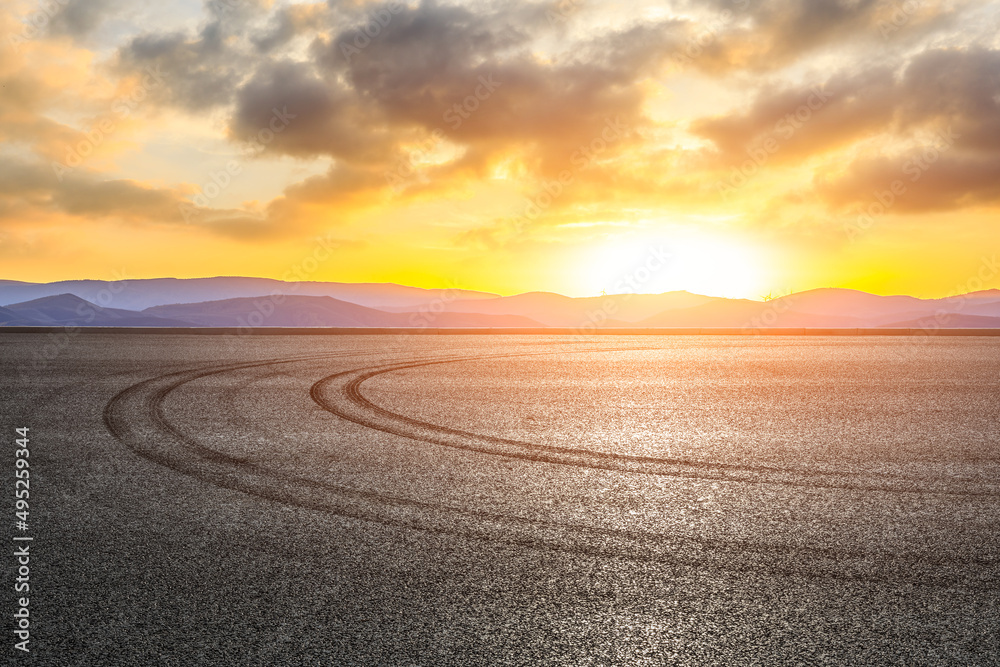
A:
762, 299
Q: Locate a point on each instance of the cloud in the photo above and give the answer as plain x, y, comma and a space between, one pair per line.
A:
493, 100
85, 196
78, 18
200, 72
291, 22
926, 180
891, 119
119, 198
303, 115
340, 185
958, 88
474, 77
32, 87
946, 133
807, 119
752, 35
435, 75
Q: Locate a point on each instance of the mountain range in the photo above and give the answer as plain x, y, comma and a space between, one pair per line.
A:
146, 293
257, 302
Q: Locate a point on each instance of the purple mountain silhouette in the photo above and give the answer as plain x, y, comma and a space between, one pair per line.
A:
71, 310
146, 293
261, 302
319, 311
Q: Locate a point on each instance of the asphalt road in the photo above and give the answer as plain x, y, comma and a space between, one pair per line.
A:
506, 500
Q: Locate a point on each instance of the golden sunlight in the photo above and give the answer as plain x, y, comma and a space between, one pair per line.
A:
653, 265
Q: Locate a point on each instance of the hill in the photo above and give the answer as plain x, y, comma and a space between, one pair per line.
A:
556, 310
319, 311
260, 302
71, 310
147, 293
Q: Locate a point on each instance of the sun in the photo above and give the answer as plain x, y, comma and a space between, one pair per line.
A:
694, 263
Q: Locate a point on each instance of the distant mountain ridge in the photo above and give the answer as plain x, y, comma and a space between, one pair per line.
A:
9, 318
145, 293
312, 305
556, 310
317, 311
251, 312
71, 310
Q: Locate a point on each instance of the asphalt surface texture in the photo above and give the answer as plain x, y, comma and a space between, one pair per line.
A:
505, 500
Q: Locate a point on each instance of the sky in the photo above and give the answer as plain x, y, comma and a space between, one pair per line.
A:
736, 148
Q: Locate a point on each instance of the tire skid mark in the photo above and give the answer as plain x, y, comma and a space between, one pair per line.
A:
135, 417
341, 395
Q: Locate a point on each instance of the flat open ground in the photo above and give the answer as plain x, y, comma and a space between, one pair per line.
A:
493, 500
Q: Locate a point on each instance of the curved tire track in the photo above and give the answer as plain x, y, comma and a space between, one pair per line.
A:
341, 395
135, 417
